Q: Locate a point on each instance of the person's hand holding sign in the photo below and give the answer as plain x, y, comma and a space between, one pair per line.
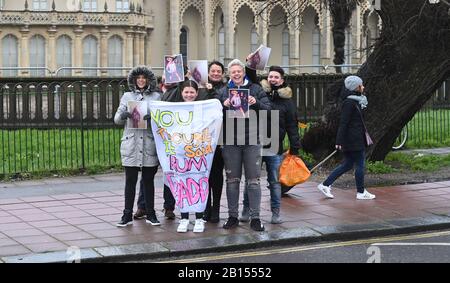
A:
251, 100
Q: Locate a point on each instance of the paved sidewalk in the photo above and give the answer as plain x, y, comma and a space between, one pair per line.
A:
41, 227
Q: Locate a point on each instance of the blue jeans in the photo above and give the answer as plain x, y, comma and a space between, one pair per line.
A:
350, 158
273, 164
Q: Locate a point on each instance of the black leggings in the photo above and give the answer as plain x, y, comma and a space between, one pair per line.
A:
148, 177
215, 182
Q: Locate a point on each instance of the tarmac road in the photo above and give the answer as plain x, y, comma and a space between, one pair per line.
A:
414, 248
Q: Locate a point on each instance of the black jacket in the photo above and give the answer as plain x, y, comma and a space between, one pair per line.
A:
262, 103
204, 94
281, 101
351, 130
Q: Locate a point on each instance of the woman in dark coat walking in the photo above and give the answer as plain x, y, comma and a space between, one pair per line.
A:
352, 138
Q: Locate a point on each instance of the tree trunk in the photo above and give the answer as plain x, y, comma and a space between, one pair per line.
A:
341, 12
409, 62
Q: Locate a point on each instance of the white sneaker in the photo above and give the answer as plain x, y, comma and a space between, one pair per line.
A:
326, 190
183, 226
365, 196
199, 226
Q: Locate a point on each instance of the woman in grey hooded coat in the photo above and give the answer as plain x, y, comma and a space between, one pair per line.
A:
137, 147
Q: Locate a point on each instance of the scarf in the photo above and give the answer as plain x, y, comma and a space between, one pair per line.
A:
362, 100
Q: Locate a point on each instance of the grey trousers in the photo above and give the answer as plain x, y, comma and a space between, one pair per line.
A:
234, 157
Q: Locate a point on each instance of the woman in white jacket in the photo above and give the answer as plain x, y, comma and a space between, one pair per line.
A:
137, 148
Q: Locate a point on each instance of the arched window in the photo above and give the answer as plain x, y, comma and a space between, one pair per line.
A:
90, 5
10, 50
348, 49
122, 6
184, 44
285, 52
115, 47
316, 48
39, 5
221, 44
37, 54
64, 54
90, 54
254, 40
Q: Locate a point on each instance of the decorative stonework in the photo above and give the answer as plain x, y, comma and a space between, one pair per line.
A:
214, 5
237, 5
317, 6
197, 4
288, 10
75, 18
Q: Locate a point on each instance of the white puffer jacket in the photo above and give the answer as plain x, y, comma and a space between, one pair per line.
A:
137, 147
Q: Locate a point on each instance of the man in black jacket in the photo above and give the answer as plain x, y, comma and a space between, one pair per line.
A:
352, 138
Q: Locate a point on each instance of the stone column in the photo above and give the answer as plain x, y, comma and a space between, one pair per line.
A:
52, 64
129, 48
104, 51
263, 29
208, 24
78, 56
175, 26
136, 55
326, 35
229, 30
356, 34
24, 60
141, 48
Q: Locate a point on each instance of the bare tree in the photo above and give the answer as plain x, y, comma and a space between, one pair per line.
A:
410, 60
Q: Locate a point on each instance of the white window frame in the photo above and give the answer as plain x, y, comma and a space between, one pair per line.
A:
115, 54
90, 59
348, 49
122, 6
285, 48
37, 54
316, 48
221, 44
90, 6
64, 54
40, 5
10, 54
254, 40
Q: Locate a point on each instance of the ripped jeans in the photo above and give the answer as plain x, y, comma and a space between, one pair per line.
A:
234, 157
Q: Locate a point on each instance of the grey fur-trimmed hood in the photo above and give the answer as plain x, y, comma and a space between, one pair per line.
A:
283, 92
142, 70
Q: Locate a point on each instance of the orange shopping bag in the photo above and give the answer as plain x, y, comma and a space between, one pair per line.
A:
293, 171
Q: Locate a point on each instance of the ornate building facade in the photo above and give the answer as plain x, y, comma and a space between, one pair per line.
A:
90, 34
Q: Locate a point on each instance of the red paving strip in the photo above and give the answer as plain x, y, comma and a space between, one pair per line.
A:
44, 224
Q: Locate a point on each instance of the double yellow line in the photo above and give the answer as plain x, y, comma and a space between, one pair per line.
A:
309, 248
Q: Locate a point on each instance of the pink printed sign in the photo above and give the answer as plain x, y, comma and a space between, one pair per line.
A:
186, 136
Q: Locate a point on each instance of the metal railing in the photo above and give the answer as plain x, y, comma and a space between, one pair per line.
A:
67, 123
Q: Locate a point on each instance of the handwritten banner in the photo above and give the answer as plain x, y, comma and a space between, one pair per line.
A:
186, 136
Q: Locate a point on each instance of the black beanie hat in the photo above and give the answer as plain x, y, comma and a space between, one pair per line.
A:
277, 69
